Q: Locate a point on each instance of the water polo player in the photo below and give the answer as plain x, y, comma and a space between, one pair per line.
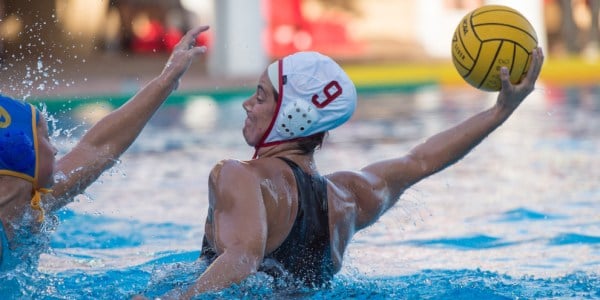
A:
27, 189
277, 214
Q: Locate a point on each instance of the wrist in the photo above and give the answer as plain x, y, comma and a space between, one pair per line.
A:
167, 80
502, 112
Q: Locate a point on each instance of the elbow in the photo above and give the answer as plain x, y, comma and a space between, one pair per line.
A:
242, 265
249, 265
421, 163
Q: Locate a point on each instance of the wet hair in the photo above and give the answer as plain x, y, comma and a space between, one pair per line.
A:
308, 144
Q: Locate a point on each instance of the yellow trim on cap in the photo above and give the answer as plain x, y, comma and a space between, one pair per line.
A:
7, 119
17, 174
37, 192
35, 145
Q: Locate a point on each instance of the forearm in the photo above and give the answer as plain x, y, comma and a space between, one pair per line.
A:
449, 146
388, 179
226, 270
113, 134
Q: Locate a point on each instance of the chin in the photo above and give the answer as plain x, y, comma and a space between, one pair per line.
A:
248, 139
250, 143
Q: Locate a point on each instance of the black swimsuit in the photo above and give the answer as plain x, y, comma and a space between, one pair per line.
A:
306, 252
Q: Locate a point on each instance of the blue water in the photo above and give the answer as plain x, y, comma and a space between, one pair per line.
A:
518, 218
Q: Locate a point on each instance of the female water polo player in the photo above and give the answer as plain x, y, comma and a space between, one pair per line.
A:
277, 214
27, 158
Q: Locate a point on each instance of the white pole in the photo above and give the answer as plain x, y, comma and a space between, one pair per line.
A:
238, 49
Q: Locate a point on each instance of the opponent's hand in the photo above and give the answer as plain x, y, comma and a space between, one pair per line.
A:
184, 52
512, 95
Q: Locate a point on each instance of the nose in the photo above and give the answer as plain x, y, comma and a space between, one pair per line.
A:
247, 104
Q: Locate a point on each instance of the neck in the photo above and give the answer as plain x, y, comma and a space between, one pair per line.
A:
283, 149
12, 189
290, 151
15, 194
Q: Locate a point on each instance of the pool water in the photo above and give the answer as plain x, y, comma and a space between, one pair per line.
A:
519, 217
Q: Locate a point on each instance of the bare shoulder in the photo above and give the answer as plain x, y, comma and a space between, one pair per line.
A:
246, 174
348, 178
234, 169
230, 173
361, 189
358, 183
233, 183
229, 166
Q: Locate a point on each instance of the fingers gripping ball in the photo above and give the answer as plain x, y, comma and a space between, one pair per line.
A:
488, 38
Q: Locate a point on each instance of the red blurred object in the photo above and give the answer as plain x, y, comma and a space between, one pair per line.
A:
204, 39
157, 39
171, 38
289, 31
151, 40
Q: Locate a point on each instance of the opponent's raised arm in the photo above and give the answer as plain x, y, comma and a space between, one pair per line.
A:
447, 147
102, 145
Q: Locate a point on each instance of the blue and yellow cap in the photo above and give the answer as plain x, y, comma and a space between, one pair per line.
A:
19, 144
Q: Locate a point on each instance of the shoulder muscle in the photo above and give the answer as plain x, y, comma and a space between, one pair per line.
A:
237, 208
368, 192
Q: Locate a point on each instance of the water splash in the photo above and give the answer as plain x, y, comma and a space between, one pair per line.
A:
34, 67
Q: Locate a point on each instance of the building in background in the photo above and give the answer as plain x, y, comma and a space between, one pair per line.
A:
353, 30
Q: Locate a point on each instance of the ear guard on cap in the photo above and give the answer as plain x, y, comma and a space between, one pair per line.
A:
296, 118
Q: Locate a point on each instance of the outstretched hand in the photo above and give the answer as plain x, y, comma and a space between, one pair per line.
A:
184, 53
511, 95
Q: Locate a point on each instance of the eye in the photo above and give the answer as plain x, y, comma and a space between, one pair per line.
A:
260, 94
260, 97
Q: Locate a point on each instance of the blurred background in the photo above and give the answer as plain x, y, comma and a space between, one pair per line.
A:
65, 47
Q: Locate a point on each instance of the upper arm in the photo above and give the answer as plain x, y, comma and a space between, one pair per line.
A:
378, 186
398, 174
239, 215
77, 170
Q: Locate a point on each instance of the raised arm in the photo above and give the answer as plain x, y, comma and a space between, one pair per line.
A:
394, 176
102, 145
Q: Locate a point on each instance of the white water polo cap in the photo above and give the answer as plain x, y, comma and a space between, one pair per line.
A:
315, 95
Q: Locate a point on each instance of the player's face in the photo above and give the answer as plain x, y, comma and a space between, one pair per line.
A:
259, 108
46, 155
